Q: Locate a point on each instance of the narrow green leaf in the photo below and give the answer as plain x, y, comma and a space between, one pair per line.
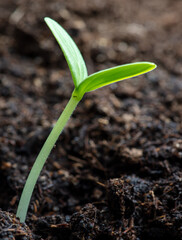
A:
115, 74
70, 50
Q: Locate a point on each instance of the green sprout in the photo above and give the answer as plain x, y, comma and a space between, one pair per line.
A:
83, 83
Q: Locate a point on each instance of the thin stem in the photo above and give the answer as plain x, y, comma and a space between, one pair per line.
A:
42, 157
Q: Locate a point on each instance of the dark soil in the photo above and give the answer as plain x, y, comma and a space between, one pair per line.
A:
115, 173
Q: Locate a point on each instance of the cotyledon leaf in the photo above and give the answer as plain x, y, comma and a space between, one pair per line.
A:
70, 50
111, 75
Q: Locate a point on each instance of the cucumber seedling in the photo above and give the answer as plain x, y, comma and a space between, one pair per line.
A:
83, 84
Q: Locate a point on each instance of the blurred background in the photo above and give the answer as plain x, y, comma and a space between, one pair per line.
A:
107, 32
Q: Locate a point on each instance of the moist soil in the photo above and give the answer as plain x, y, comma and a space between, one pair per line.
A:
115, 172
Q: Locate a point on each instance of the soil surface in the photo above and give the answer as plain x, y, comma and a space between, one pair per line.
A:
115, 173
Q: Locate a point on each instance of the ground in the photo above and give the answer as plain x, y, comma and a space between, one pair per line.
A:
115, 172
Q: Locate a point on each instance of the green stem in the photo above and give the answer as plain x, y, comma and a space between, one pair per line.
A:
42, 157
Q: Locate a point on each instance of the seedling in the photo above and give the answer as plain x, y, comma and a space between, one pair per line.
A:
83, 83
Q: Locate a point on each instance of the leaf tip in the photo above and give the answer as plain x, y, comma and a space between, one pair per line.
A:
152, 65
48, 20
